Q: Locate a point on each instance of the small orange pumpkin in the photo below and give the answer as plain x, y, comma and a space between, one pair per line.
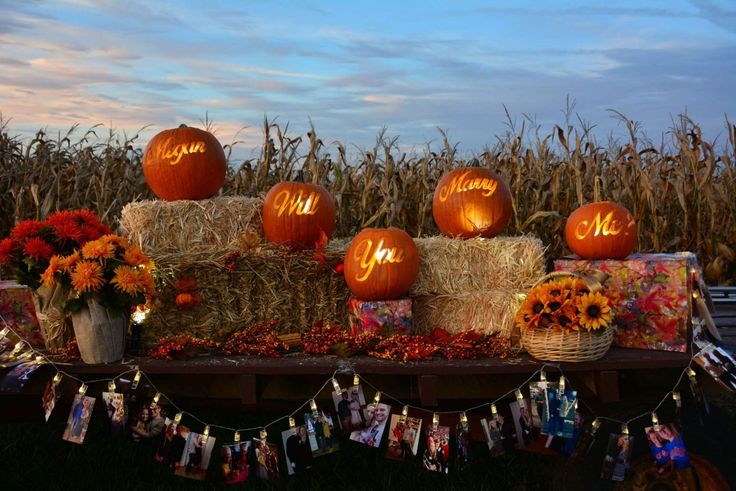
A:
471, 202
298, 214
187, 300
601, 230
184, 163
381, 264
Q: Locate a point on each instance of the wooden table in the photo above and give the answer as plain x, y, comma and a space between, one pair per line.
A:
601, 376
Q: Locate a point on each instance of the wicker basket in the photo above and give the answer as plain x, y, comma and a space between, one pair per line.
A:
549, 345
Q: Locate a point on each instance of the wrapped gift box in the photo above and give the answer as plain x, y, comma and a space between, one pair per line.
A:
18, 312
383, 316
650, 295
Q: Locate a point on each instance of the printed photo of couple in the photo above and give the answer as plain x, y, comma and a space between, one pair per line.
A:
8, 359
78, 421
170, 446
719, 364
437, 451
403, 437
549, 423
499, 436
321, 432
234, 465
616, 462
668, 448
195, 459
375, 417
148, 423
463, 451
50, 397
17, 378
349, 404
298, 449
267, 460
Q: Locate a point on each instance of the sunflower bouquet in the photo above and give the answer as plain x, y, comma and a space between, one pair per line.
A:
566, 318
109, 270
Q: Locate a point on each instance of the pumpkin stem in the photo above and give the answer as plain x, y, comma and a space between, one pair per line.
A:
182, 125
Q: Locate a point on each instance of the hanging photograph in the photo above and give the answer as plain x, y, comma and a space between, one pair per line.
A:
539, 406
349, 404
437, 449
522, 423
17, 378
51, 396
463, 450
115, 408
321, 433
297, 449
234, 466
166, 450
195, 459
78, 421
403, 437
719, 364
494, 437
371, 433
668, 448
616, 462
267, 460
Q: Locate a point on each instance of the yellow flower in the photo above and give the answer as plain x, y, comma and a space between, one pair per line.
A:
594, 311
127, 280
87, 277
531, 310
98, 249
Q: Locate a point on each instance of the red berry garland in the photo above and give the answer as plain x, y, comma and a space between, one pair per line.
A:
180, 347
257, 340
404, 347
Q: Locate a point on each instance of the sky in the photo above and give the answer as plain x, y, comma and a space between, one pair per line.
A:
352, 68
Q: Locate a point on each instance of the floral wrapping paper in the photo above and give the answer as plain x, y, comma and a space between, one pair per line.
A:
17, 309
382, 316
650, 295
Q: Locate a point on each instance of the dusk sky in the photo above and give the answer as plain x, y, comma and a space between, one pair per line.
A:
355, 67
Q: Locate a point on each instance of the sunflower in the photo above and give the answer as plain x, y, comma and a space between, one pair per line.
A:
594, 311
87, 277
127, 280
531, 310
98, 249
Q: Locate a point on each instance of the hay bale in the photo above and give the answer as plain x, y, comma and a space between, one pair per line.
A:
207, 226
458, 266
488, 312
267, 283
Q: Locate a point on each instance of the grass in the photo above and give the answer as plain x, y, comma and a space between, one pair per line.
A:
681, 191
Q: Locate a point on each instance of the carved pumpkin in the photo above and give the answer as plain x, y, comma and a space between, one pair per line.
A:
184, 163
298, 214
381, 264
601, 230
471, 202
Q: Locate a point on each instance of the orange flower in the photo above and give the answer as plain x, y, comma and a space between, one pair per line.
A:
98, 249
67, 263
49, 276
594, 311
147, 282
133, 256
531, 310
127, 280
87, 277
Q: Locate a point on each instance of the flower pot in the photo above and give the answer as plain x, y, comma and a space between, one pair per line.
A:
56, 327
100, 336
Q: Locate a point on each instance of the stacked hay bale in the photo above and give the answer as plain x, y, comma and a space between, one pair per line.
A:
242, 279
476, 283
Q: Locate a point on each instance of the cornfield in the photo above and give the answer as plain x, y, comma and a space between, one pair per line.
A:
682, 192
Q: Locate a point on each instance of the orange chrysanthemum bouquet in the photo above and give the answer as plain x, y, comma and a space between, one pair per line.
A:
566, 317
109, 270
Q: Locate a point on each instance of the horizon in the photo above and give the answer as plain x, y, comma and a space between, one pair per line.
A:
352, 70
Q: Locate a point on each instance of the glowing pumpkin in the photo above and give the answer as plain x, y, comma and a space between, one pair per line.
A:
381, 264
298, 214
184, 163
471, 202
601, 230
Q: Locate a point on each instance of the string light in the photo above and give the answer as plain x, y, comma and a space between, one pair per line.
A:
111, 386
519, 396
82, 389
292, 423
4, 333
494, 411
690, 372
177, 418
57, 378
596, 424
356, 380
463, 420
206, 433
136, 380
677, 398
336, 385
624, 429
18, 347
263, 434
655, 421
542, 375
377, 398
435, 420
236, 437
562, 383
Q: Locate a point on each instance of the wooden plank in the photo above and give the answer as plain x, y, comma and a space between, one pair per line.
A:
248, 390
606, 386
297, 364
428, 390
